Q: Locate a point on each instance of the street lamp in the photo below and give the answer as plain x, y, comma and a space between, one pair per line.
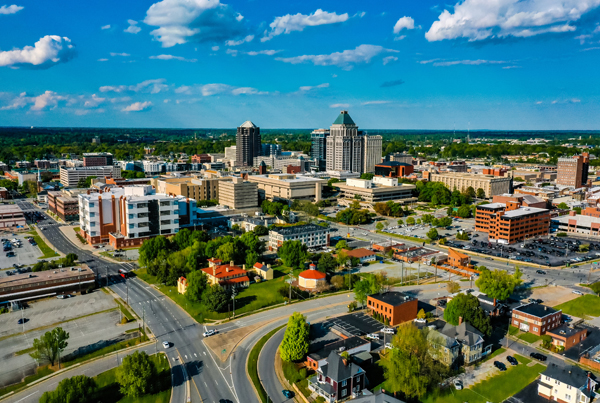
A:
233, 294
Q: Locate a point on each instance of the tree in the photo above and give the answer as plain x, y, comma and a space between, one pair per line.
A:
362, 289
452, 287
85, 182
442, 241
367, 176
480, 193
136, 374
379, 226
410, 220
197, 283
470, 192
50, 345
295, 340
464, 211
466, 306
293, 253
261, 230
445, 221
77, 389
421, 314
215, 298
337, 282
498, 284
596, 287
563, 206
326, 263
341, 245
546, 341
432, 234
450, 211
400, 222
251, 259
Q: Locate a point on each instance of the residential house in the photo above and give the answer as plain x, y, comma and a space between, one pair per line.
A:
352, 345
338, 379
362, 254
567, 384
226, 275
263, 270
536, 318
463, 343
377, 397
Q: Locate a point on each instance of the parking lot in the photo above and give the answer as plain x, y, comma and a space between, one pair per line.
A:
548, 251
25, 254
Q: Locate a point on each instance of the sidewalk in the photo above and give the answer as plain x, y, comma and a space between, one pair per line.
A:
71, 236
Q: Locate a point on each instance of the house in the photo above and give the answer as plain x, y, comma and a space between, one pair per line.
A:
565, 337
338, 379
394, 306
182, 285
462, 342
377, 397
457, 259
311, 279
362, 254
567, 384
263, 270
352, 345
536, 318
226, 275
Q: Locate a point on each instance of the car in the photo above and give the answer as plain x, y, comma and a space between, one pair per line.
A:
21, 321
489, 258
62, 296
458, 384
10, 254
209, 333
540, 272
388, 346
373, 336
388, 330
512, 360
166, 344
574, 291
500, 365
288, 393
538, 356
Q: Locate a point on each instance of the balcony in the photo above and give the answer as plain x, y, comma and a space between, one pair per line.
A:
324, 390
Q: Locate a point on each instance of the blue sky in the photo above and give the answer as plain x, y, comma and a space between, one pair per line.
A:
479, 64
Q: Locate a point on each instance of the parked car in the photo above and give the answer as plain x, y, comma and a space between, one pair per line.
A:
166, 344
373, 336
458, 384
500, 365
540, 272
512, 360
21, 321
388, 346
388, 330
209, 333
538, 356
574, 291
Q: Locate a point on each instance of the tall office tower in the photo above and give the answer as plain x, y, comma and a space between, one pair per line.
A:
247, 144
318, 150
270, 150
344, 145
371, 152
573, 171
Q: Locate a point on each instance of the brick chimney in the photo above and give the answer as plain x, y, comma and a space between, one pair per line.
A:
231, 263
227, 269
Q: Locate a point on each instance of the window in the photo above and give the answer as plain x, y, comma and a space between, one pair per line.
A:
344, 391
131, 225
567, 397
130, 206
130, 215
92, 214
91, 205
343, 383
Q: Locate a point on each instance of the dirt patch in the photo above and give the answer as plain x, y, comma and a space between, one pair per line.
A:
553, 295
222, 344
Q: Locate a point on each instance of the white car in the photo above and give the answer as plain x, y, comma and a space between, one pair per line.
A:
577, 292
388, 346
388, 330
458, 384
166, 344
209, 333
373, 336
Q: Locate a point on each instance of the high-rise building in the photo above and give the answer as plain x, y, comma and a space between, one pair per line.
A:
573, 171
318, 150
348, 150
97, 159
247, 143
272, 150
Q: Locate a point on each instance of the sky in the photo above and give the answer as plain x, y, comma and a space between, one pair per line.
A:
401, 64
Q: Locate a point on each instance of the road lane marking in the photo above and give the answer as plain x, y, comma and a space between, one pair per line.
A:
27, 397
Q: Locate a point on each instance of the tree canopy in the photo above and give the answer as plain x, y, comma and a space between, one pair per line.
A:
293, 253
498, 284
77, 389
215, 298
295, 340
197, 284
467, 307
50, 345
136, 374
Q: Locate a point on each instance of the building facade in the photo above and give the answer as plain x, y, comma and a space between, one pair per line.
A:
318, 149
395, 307
97, 159
509, 223
573, 171
228, 276
372, 146
190, 187
491, 185
393, 169
238, 194
288, 187
566, 385
70, 177
379, 189
11, 215
248, 144
311, 235
536, 318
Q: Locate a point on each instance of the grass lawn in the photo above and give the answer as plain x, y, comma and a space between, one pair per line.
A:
582, 307
253, 363
408, 238
494, 354
108, 349
521, 359
495, 389
512, 330
529, 337
46, 250
108, 388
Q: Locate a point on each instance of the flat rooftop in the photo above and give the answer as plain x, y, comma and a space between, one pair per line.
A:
42, 276
523, 211
536, 310
393, 298
10, 209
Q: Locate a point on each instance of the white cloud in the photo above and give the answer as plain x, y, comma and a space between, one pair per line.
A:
215, 48
262, 52
339, 105
184, 89
113, 54
290, 23
231, 42
312, 87
105, 26
5, 10
213, 89
47, 100
361, 14
103, 60
592, 48
247, 91
181, 21
171, 57
208, 90
511, 67
597, 29
94, 101
404, 23
345, 59
481, 19
137, 107
399, 38
48, 51
375, 103
232, 52
389, 59
151, 86
132, 28
477, 62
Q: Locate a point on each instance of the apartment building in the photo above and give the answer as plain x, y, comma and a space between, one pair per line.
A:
379, 189
569, 384
201, 158
491, 185
191, 187
509, 222
573, 171
311, 235
65, 207
536, 318
288, 186
238, 194
451, 342
372, 146
396, 307
97, 159
566, 336
70, 177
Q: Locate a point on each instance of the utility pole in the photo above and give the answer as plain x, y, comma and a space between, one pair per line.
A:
418, 272
402, 275
233, 294
127, 287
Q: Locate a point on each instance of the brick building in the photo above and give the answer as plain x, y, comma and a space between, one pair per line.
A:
97, 159
535, 318
567, 336
67, 208
524, 199
226, 275
394, 306
393, 169
458, 259
573, 171
201, 158
509, 222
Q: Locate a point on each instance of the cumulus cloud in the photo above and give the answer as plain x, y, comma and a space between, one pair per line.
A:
438, 63
215, 48
404, 23
262, 52
137, 107
389, 59
5, 10
231, 42
290, 23
345, 59
171, 57
113, 54
105, 26
339, 105
181, 21
151, 86
393, 83
47, 100
207, 90
312, 87
375, 103
232, 52
47, 52
93, 102
479, 19
103, 60
132, 28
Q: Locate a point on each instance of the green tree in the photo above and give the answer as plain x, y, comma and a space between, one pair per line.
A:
452, 287
50, 345
367, 176
596, 287
341, 245
337, 282
197, 283
546, 341
85, 182
261, 230
432, 234
326, 263
563, 206
464, 211
466, 306
136, 374
450, 211
410, 220
400, 222
480, 193
295, 340
362, 289
498, 284
293, 253
470, 192
215, 298
77, 389
379, 226
251, 259
151, 248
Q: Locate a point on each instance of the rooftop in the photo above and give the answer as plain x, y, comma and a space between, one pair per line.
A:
571, 375
225, 270
298, 229
336, 370
344, 119
523, 211
565, 331
29, 278
464, 332
393, 164
583, 220
492, 206
248, 123
393, 298
345, 344
312, 274
359, 253
536, 310
10, 209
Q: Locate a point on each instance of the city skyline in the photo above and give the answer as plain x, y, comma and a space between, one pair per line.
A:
529, 65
